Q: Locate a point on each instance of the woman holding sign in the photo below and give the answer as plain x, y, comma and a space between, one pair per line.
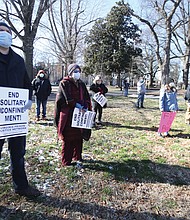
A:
167, 103
72, 93
98, 87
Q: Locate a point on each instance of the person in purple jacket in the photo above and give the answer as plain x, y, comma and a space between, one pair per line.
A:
13, 74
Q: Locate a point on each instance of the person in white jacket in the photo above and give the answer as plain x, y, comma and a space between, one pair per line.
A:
141, 90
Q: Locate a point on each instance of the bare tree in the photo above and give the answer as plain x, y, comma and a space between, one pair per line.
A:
68, 27
164, 11
182, 39
28, 13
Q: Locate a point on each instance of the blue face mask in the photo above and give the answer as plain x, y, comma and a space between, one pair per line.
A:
5, 39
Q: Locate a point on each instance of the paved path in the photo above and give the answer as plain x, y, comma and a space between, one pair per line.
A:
150, 93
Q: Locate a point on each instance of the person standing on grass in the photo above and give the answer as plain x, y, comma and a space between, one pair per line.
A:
126, 86
14, 75
141, 90
72, 93
98, 86
42, 87
168, 101
187, 99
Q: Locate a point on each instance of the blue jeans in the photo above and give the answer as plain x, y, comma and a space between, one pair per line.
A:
125, 92
16, 147
38, 105
140, 100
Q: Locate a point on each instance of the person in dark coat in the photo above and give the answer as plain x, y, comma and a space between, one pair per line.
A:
126, 86
13, 74
72, 92
42, 88
98, 86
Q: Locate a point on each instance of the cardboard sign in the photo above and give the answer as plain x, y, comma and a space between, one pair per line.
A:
100, 99
13, 118
166, 121
82, 119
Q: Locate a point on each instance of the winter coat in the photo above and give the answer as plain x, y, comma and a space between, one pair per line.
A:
168, 100
187, 94
99, 88
69, 93
141, 87
42, 88
13, 72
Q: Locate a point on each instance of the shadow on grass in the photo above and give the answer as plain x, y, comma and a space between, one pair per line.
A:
15, 213
80, 208
140, 128
143, 171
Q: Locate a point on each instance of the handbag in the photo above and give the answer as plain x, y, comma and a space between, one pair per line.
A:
86, 134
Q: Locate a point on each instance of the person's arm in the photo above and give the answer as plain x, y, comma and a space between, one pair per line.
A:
94, 88
162, 100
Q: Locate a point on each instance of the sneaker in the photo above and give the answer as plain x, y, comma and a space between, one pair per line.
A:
28, 192
44, 118
37, 118
168, 135
99, 122
160, 134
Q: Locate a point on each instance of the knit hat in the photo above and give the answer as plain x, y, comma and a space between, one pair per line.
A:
5, 25
72, 67
98, 77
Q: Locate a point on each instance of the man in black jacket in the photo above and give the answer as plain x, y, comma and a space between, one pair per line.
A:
42, 88
13, 74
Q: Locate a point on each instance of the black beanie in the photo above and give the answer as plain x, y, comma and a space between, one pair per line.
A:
5, 25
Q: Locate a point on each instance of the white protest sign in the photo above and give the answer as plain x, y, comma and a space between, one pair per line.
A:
82, 119
100, 99
13, 118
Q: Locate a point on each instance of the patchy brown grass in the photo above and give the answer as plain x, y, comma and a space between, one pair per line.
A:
129, 172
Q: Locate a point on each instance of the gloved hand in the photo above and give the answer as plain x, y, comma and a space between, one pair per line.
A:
28, 105
78, 105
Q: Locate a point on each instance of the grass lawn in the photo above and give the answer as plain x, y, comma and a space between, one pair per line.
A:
129, 171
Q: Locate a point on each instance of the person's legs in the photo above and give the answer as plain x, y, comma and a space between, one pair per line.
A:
67, 152
138, 100
77, 154
125, 92
95, 109
142, 100
44, 104
99, 113
16, 147
2, 141
38, 103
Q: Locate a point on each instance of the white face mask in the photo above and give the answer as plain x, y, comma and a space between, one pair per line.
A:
41, 75
5, 39
76, 75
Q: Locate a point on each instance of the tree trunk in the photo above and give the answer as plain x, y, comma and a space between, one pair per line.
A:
28, 56
186, 67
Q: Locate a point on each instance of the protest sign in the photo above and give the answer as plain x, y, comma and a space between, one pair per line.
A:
166, 121
13, 118
82, 119
100, 99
